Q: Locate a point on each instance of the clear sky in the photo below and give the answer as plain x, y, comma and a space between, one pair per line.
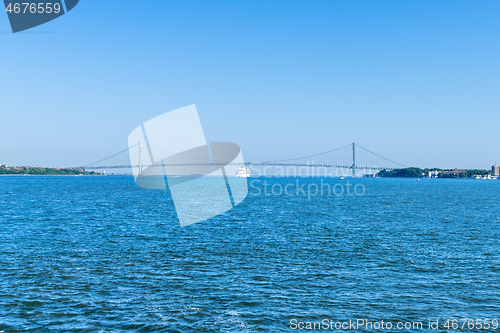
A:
415, 81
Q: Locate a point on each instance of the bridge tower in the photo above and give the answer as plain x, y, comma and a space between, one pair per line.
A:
354, 159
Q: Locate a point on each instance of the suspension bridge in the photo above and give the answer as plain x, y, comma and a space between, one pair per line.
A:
350, 157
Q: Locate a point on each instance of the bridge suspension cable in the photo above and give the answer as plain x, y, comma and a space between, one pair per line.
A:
107, 158
307, 157
352, 156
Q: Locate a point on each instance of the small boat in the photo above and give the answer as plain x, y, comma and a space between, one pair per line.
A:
243, 172
341, 178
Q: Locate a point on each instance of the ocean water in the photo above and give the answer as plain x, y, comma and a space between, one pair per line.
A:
99, 254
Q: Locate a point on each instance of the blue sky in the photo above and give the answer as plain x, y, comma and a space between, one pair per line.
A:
415, 81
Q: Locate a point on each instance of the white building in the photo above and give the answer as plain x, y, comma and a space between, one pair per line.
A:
433, 174
495, 170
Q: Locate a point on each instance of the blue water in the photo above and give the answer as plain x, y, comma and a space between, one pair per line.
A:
100, 254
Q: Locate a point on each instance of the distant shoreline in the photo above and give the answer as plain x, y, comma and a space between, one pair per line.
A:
63, 175
434, 173
49, 175
41, 171
347, 178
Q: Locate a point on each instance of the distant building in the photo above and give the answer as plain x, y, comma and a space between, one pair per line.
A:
2, 165
496, 170
433, 174
457, 171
